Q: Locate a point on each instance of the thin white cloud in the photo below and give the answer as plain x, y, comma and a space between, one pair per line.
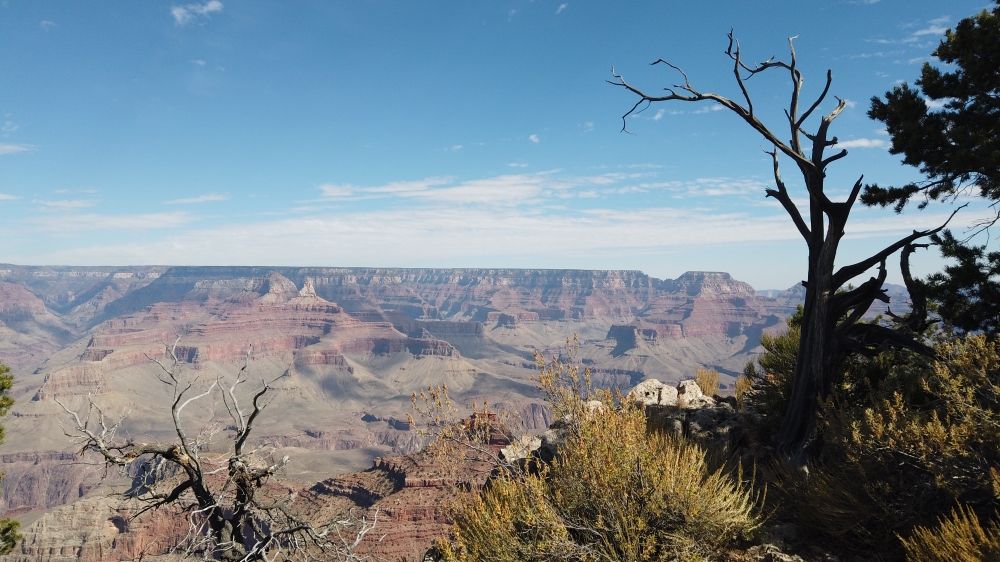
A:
70, 224
709, 108
8, 197
936, 104
932, 30
46, 25
878, 54
863, 143
517, 165
334, 191
850, 103
14, 148
561, 7
200, 199
659, 114
935, 26
65, 204
9, 127
533, 138
199, 62
188, 13
456, 237
504, 190
404, 188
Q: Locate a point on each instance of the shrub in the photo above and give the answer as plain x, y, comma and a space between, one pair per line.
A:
903, 439
957, 538
615, 491
743, 384
708, 381
770, 382
646, 495
510, 521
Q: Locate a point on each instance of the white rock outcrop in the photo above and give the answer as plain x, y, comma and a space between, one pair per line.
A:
652, 392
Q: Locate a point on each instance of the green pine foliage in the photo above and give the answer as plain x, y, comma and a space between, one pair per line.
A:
769, 381
904, 439
955, 145
8, 527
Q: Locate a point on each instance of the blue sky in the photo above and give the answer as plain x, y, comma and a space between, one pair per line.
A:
432, 134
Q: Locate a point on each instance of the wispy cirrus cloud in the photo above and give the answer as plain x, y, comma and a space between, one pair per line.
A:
47, 25
188, 13
708, 108
561, 7
935, 26
863, 143
335, 191
502, 190
200, 199
70, 224
8, 197
533, 138
6, 148
65, 204
455, 237
701, 187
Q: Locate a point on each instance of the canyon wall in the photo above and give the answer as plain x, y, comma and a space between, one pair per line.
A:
342, 348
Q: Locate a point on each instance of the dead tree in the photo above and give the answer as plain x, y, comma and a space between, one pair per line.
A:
830, 325
232, 515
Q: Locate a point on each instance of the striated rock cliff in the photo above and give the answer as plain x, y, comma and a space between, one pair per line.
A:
344, 347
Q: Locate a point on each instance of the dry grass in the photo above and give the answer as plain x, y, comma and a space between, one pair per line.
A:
743, 384
957, 538
616, 493
708, 381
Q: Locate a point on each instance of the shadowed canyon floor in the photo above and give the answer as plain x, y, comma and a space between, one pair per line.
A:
345, 348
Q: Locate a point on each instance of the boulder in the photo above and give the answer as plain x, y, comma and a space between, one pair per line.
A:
521, 448
690, 396
685, 411
652, 392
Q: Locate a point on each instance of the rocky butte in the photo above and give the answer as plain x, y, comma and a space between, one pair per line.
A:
346, 348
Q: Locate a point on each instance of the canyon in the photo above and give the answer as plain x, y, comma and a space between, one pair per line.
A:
343, 349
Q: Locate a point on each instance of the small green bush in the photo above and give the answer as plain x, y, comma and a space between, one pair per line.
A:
770, 383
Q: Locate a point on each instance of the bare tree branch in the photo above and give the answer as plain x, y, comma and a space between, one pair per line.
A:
848, 272
781, 194
231, 518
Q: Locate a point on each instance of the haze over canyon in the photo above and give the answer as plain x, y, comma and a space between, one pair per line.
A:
346, 348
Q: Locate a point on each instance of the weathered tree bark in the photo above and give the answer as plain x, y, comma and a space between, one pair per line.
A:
830, 327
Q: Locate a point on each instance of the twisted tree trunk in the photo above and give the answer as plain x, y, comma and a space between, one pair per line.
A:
830, 324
